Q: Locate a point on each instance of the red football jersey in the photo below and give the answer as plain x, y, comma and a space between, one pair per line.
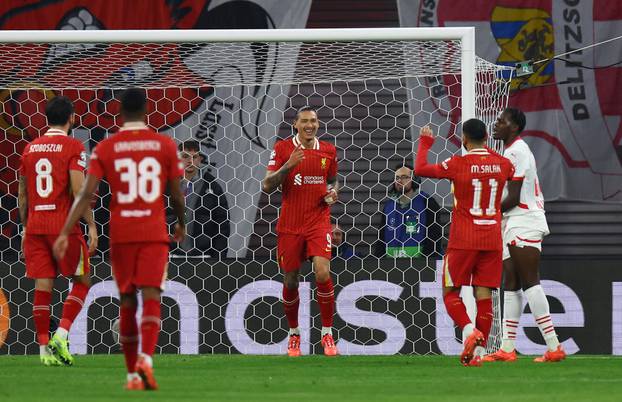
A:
137, 162
304, 187
478, 179
46, 163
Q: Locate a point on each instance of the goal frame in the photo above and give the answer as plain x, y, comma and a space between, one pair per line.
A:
465, 35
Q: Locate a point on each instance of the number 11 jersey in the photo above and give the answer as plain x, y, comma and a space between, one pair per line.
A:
478, 179
138, 163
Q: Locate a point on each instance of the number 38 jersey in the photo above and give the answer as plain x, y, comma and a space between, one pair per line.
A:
137, 163
478, 180
46, 164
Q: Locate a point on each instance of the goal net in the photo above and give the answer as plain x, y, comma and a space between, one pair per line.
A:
236, 93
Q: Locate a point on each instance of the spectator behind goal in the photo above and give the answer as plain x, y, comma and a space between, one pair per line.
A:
207, 209
409, 226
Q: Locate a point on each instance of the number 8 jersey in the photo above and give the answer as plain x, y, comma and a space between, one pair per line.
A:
46, 163
137, 162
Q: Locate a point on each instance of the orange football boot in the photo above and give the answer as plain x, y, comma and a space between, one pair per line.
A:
145, 371
330, 349
476, 361
500, 356
293, 346
475, 339
135, 384
555, 356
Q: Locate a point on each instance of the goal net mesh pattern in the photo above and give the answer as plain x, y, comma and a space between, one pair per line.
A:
236, 100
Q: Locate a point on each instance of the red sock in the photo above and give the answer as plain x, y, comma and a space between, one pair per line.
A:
483, 321
150, 326
128, 337
73, 304
325, 294
456, 309
291, 302
41, 315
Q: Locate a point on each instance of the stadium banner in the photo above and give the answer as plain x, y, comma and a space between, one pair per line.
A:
235, 125
574, 122
387, 307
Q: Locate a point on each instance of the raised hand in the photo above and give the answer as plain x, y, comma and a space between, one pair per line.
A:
295, 158
426, 131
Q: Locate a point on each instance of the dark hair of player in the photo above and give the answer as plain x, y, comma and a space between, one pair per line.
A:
517, 117
58, 110
305, 109
133, 104
475, 130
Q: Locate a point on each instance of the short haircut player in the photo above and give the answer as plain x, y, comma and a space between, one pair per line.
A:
305, 169
138, 232
525, 227
59, 111
51, 175
473, 255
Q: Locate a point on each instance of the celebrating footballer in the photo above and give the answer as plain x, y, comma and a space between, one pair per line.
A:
305, 168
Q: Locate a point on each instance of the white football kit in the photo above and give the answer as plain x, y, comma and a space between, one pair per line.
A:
525, 224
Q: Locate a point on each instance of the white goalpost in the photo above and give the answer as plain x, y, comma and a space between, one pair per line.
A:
235, 93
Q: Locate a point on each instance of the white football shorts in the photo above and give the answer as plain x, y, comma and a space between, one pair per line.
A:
521, 232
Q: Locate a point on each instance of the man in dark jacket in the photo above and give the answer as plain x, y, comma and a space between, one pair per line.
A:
207, 210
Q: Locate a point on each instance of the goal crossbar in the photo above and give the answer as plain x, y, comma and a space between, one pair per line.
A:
466, 36
237, 35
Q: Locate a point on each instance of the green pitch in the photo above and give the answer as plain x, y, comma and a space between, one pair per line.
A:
314, 378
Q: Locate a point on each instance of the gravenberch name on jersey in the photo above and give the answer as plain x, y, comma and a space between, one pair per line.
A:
483, 169
46, 148
127, 146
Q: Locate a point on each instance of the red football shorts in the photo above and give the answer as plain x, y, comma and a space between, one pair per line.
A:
472, 267
294, 249
40, 261
138, 265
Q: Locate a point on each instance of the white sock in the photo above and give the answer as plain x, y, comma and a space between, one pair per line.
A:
467, 331
294, 331
131, 376
148, 359
540, 309
62, 333
512, 310
479, 351
43, 350
327, 330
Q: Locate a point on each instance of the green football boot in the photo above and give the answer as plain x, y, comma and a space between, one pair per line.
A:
60, 349
49, 359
